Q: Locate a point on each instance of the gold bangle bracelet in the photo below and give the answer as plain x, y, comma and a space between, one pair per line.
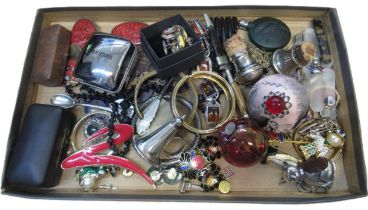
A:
222, 83
195, 103
336, 152
195, 94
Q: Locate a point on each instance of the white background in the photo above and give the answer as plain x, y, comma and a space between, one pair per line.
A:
16, 24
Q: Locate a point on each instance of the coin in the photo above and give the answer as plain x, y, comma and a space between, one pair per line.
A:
224, 187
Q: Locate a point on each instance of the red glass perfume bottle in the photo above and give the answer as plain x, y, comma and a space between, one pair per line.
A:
241, 143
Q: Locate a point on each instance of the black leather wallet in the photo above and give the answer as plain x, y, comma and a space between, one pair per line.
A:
40, 147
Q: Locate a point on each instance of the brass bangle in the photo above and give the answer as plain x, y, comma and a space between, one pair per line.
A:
195, 94
222, 83
332, 156
195, 102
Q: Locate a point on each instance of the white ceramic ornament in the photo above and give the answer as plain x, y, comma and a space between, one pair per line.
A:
278, 102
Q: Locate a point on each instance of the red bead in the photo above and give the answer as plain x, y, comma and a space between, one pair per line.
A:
275, 105
69, 73
197, 162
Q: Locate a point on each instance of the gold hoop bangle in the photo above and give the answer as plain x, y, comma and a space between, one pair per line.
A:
332, 156
222, 83
195, 94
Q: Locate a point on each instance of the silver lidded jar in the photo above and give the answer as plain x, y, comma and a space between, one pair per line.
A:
248, 71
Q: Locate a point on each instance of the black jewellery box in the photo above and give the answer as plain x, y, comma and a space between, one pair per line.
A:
171, 64
259, 183
41, 146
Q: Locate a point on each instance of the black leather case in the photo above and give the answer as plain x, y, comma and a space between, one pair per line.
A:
40, 147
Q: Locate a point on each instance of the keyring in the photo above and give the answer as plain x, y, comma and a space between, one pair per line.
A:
222, 83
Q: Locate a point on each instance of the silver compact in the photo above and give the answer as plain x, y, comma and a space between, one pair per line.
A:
106, 62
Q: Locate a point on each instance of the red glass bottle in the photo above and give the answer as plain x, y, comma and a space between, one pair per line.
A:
241, 143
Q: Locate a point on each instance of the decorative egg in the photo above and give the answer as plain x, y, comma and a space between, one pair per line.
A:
334, 139
278, 102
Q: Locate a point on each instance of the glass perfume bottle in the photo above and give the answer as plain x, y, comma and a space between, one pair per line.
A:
241, 143
321, 87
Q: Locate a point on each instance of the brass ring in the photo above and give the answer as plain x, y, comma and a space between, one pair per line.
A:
222, 83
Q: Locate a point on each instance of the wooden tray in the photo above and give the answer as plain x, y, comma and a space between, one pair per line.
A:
259, 183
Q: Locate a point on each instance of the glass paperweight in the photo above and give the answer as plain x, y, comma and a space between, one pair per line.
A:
241, 143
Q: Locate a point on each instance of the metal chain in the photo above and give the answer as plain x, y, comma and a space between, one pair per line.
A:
259, 56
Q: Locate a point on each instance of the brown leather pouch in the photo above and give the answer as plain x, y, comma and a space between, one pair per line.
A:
51, 56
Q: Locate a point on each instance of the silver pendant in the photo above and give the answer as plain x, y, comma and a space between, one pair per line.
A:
212, 112
211, 93
150, 111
